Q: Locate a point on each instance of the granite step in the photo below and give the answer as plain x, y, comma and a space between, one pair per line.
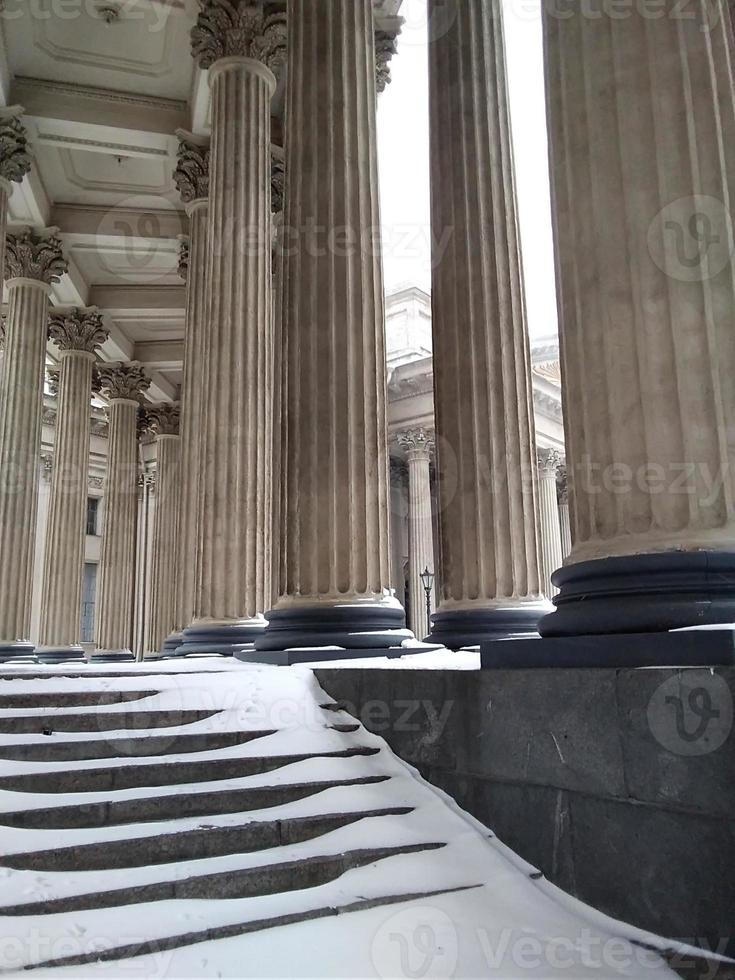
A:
71, 699
51, 750
232, 930
95, 721
109, 779
207, 803
269, 879
190, 845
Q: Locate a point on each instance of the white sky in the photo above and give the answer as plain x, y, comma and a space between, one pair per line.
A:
403, 129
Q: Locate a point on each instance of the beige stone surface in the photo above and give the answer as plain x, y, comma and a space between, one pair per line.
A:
334, 459
241, 48
484, 421
123, 384
32, 262
642, 135
164, 421
77, 335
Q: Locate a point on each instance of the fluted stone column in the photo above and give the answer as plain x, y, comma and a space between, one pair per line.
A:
418, 447
549, 526
564, 518
241, 44
489, 572
15, 163
335, 572
32, 263
164, 422
77, 334
192, 179
642, 131
123, 385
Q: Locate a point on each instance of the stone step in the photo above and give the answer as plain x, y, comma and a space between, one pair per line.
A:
71, 699
231, 930
75, 674
269, 879
189, 845
95, 721
208, 803
51, 750
69, 781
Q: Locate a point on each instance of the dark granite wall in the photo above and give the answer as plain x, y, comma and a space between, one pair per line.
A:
618, 785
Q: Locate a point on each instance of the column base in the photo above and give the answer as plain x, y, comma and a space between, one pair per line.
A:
112, 657
220, 639
18, 648
61, 655
170, 646
643, 594
706, 647
367, 629
460, 628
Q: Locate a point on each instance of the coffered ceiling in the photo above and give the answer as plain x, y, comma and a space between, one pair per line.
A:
105, 84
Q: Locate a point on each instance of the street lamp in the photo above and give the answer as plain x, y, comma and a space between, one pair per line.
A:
427, 579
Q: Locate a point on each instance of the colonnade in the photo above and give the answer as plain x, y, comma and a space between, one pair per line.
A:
296, 387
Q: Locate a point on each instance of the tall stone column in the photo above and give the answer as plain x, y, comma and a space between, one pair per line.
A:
123, 385
418, 446
192, 179
15, 163
77, 334
564, 518
164, 422
32, 263
490, 585
241, 44
549, 526
335, 568
642, 135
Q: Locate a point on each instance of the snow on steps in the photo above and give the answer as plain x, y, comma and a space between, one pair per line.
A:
214, 801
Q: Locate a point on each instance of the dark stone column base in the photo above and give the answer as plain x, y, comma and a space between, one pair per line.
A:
215, 639
460, 628
643, 594
170, 646
60, 655
9, 652
366, 629
112, 657
686, 648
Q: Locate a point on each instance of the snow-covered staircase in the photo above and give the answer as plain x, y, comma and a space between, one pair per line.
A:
104, 778
176, 811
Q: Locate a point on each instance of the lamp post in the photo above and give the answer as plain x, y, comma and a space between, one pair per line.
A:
427, 579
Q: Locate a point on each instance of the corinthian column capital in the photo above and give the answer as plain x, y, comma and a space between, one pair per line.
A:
123, 381
184, 251
31, 256
386, 45
163, 419
78, 330
15, 161
191, 175
549, 461
239, 28
418, 443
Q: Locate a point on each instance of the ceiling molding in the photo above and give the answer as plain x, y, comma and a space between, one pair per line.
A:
99, 106
102, 222
139, 297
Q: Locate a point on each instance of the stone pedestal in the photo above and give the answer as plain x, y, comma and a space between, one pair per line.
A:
418, 447
241, 46
642, 131
192, 180
164, 421
489, 575
32, 263
77, 334
335, 575
549, 526
123, 384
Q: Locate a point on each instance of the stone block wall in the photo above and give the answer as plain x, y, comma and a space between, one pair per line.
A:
618, 785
